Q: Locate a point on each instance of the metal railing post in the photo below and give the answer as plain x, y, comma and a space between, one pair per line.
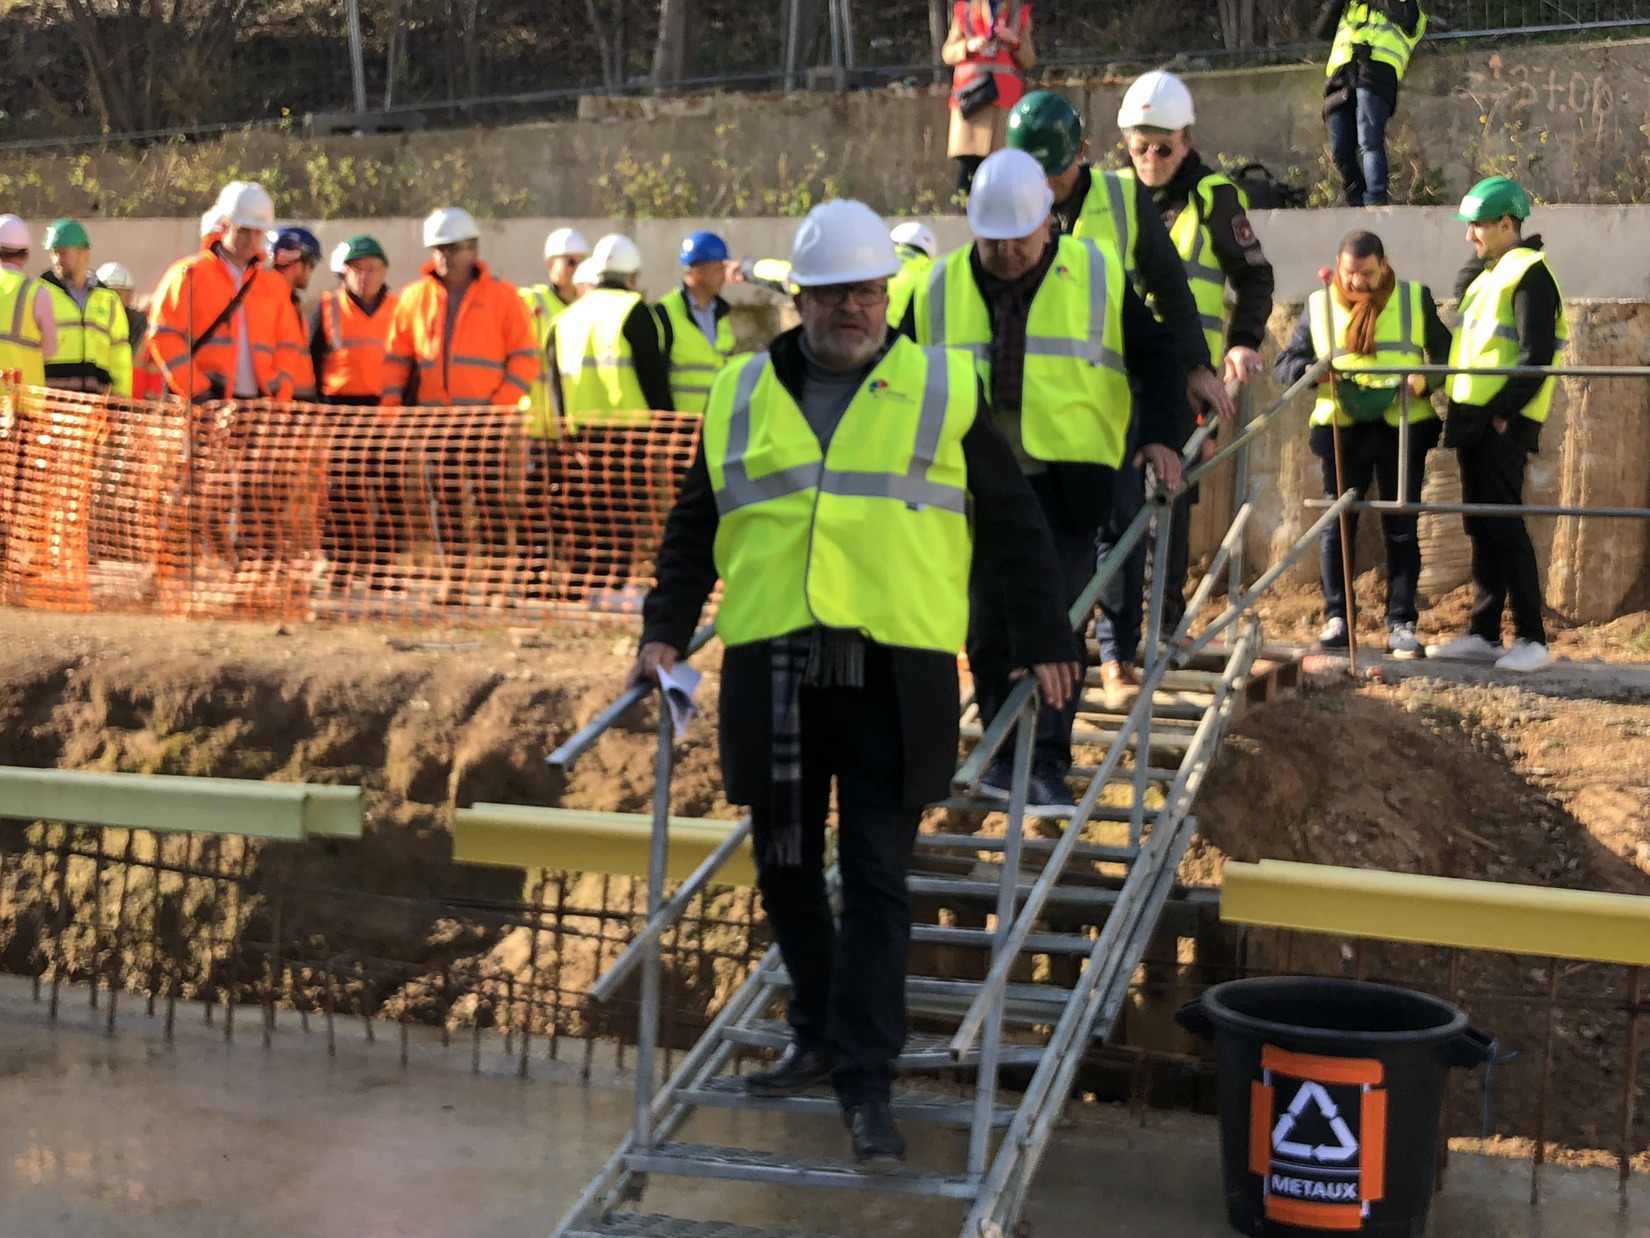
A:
1240, 492
1166, 516
647, 1031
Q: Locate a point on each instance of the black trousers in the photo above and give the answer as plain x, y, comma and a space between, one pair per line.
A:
989, 657
1369, 455
1503, 558
848, 981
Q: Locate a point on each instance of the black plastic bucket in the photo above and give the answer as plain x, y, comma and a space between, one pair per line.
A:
1330, 1097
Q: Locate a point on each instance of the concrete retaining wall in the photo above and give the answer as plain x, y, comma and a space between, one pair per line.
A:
1595, 450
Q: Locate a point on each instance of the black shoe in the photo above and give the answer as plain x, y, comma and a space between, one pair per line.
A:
997, 779
798, 1069
876, 1139
1047, 788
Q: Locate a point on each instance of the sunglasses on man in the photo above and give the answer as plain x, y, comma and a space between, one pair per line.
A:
1139, 146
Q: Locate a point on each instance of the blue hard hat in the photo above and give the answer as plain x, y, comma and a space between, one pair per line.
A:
704, 247
300, 240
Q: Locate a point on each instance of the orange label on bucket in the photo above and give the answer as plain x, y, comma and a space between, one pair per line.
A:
1317, 1138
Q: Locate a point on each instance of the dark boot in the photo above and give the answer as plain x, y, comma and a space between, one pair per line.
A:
798, 1069
876, 1139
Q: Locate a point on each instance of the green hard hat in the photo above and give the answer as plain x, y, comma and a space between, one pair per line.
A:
1492, 198
67, 234
363, 246
1048, 128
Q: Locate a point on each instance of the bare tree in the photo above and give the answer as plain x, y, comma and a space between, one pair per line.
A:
151, 63
1237, 23
670, 53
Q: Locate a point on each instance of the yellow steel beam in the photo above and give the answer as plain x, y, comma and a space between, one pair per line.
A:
235, 806
578, 840
1443, 911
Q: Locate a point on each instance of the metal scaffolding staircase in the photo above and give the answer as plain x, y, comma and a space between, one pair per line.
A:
1093, 893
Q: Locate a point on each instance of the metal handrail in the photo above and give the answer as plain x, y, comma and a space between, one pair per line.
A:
576, 745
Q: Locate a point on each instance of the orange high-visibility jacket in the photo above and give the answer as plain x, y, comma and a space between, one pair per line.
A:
353, 363
492, 358
191, 294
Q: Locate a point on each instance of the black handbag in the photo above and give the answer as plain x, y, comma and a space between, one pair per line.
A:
978, 95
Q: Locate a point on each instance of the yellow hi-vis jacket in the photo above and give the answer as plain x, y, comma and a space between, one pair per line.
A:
1488, 335
1074, 404
93, 342
598, 374
544, 306
914, 266
1110, 215
1361, 24
1400, 338
872, 534
20, 340
694, 361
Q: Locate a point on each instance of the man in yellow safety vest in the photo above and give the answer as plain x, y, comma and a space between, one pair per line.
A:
1064, 345
1512, 314
28, 325
1373, 41
693, 318
94, 344
845, 481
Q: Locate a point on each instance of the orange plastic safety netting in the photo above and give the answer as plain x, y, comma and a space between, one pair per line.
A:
261, 509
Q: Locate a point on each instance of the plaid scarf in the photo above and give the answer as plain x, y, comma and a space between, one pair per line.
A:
817, 658
1010, 304
1365, 307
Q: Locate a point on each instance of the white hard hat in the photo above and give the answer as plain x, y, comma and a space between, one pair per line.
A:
616, 255
14, 233
246, 205
1010, 198
340, 252
113, 275
563, 242
1156, 100
841, 242
587, 273
447, 225
919, 235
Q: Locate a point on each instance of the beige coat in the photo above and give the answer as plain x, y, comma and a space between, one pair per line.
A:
982, 133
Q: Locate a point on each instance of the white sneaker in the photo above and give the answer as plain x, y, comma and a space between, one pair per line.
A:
1525, 655
1333, 635
1401, 642
1469, 647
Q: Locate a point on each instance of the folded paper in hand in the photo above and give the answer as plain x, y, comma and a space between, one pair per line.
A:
678, 684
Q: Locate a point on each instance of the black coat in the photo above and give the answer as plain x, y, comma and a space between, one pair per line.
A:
1011, 539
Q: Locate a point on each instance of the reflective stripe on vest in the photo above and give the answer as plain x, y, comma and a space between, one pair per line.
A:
1400, 337
356, 344
598, 374
871, 534
1075, 393
1488, 335
545, 306
1108, 215
20, 342
694, 362
1387, 43
89, 355
1207, 281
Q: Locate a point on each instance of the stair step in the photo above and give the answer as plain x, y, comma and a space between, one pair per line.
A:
984, 939
909, 1104
648, 1225
699, 1160
985, 805
1163, 713
965, 887
1024, 1004
923, 1050
1154, 773
1094, 852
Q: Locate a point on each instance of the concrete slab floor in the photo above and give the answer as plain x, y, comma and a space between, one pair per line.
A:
126, 1137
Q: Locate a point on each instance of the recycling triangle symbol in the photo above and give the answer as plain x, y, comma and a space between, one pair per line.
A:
1313, 1094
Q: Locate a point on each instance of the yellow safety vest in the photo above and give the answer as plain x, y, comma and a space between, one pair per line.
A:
598, 374
1361, 24
1488, 335
96, 336
1074, 402
871, 534
694, 361
544, 304
914, 266
1109, 215
1400, 338
20, 340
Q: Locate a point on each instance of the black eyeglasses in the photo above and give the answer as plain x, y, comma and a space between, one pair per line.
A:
863, 295
1162, 150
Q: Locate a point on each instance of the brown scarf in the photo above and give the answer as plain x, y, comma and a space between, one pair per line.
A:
1365, 308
